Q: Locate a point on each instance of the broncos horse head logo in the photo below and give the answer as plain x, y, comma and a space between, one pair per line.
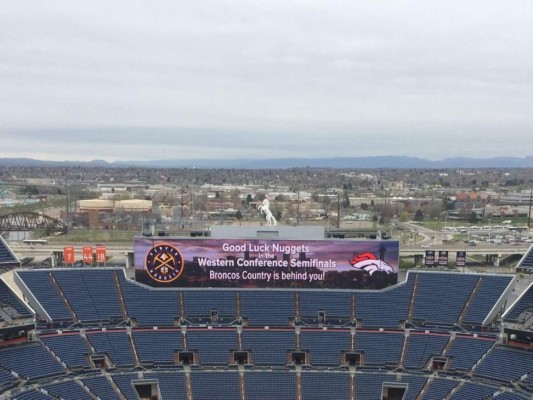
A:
370, 263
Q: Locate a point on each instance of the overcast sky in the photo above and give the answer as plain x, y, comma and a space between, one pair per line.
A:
139, 80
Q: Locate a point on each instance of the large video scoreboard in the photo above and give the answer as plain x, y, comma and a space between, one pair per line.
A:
264, 263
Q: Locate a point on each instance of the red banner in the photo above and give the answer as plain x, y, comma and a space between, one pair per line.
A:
68, 255
101, 256
87, 255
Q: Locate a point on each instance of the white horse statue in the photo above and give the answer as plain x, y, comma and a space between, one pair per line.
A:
264, 207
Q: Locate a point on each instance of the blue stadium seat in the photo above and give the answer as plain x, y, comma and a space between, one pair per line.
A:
440, 298
420, 348
7, 297
213, 345
115, 344
505, 364
100, 386
472, 391
70, 348
384, 309
68, 390
487, 295
150, 307
524, 302
325, 385
272, 385
30, 361
154, 346
32, 395
6, 255
325, 347
198, 304
380, 348
268, 347
465, 352
41, 285
211, 385
172, 385
439, 388
278, 312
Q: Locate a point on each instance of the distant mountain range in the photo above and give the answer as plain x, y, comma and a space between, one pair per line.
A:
284, 163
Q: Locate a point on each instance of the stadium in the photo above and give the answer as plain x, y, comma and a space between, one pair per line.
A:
164, 331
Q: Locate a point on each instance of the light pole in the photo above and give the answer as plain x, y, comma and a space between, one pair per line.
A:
338, 210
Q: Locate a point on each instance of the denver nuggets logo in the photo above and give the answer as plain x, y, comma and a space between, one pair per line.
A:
164, 263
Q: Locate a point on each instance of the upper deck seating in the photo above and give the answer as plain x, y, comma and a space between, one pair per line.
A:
91, 293
465, 352
325, 385
325, 347
385, 309
380, 348
68, 390
123, 381
472, 391
150, 307
115, 344
157, 346
485, 298
524, 302
100, 386
440, 298
505, 364
213, 345
439, 388
199, 304
210, 386
268, 347
30, 361
6, 256
6, 379
421, 346
272, 385
40, 284
337, 306
71, 349
172, 385
527, 261
32, 394
7, 297
370, 385
261, 307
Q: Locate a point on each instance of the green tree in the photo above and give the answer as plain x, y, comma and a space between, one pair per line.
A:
29, 190
345, 199
238, 215
419, 215
404, 216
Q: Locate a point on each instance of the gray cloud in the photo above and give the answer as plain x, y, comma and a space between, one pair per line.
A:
265, 79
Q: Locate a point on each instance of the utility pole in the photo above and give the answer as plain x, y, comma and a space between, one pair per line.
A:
298, 209
181, 209
67, 216
221, 209
338, 210
529, 213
